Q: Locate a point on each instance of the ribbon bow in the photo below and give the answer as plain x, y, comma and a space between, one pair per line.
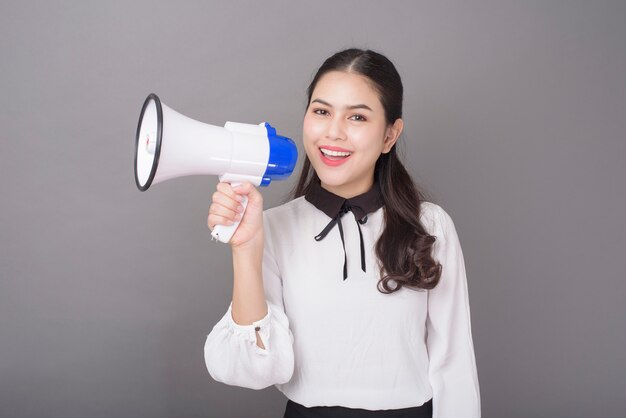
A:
335, 207
345, 208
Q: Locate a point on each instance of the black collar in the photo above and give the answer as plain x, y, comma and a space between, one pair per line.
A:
336, 206
331, 204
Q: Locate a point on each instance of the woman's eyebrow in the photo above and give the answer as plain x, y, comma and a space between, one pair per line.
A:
351, 107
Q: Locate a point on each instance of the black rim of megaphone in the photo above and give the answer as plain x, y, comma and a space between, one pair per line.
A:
157, 151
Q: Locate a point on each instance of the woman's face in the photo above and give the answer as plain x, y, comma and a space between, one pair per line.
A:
345, 132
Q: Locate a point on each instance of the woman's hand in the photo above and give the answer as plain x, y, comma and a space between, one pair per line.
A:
226, 208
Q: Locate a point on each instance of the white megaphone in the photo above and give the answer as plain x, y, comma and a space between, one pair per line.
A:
170, 145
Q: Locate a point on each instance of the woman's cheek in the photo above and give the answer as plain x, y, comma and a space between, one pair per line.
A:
309, 144
314, 128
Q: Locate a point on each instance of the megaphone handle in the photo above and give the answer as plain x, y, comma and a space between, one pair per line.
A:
224, 233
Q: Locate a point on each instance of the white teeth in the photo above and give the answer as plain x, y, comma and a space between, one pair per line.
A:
335, 153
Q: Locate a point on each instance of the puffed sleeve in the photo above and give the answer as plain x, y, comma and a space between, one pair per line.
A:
452, 368
231, 353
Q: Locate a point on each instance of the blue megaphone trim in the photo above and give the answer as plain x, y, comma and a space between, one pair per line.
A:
283, 156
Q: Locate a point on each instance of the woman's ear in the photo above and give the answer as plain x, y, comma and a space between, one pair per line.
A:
392, 135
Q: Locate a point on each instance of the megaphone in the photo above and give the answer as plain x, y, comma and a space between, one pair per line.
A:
169, 145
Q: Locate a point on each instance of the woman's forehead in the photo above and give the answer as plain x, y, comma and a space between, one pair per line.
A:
345, 89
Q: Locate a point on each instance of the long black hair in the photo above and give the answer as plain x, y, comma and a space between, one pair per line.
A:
404, 247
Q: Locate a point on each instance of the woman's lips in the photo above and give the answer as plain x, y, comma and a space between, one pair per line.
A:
335, 160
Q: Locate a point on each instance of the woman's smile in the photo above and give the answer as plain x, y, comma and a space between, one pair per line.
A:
334, 156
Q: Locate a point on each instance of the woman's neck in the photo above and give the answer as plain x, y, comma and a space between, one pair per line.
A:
349, 191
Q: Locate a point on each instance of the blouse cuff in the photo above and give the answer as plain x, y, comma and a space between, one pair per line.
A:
248, 332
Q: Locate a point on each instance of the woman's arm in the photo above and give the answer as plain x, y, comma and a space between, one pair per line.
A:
248, 293
452, 369
252, 345
248, 304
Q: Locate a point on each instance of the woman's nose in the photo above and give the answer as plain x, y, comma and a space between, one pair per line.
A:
336, 129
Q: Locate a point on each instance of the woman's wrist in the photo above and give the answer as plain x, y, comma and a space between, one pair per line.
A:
250, 249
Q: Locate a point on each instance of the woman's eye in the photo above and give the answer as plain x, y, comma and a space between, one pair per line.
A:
359, 118
320, 112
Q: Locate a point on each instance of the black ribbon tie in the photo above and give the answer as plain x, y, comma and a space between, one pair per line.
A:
336, 207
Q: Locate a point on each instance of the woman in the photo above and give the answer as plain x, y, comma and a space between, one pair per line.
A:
348, 317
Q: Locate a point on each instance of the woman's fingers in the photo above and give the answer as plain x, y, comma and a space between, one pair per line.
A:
223, 205
225, 208
227, 190
220, 215
249, 190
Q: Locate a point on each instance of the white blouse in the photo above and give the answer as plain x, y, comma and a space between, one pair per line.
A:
335, 342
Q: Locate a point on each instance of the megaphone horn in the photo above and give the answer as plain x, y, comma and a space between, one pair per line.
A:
169, 145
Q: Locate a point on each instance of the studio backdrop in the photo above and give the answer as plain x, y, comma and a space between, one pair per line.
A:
515, 124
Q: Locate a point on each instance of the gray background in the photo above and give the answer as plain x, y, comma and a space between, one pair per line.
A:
515, 122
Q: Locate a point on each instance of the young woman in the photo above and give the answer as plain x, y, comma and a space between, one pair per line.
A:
352, 297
